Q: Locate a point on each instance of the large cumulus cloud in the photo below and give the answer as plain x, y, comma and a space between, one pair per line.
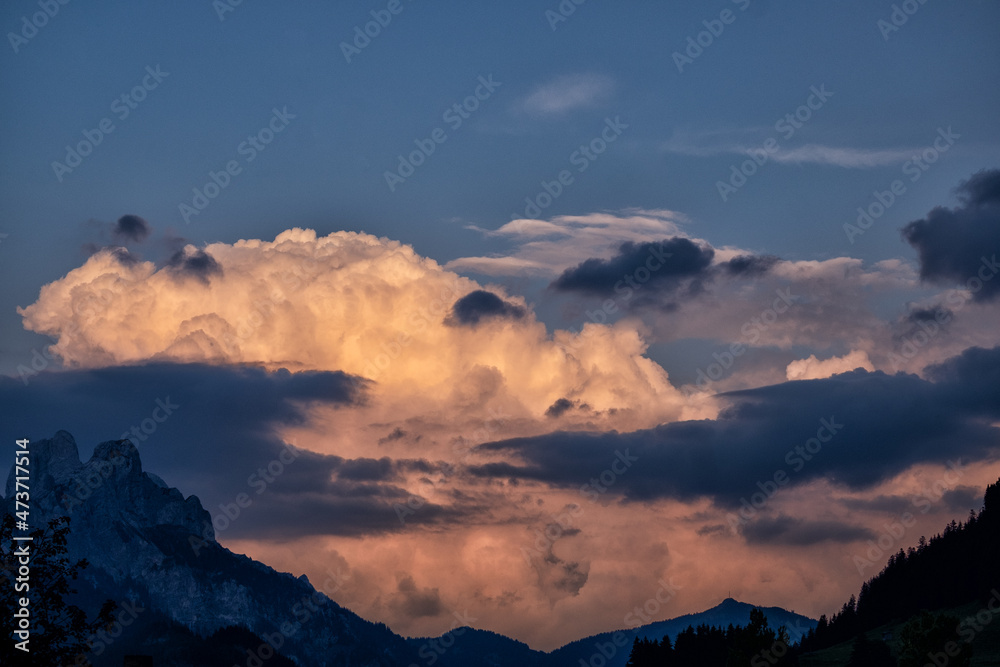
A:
352, 302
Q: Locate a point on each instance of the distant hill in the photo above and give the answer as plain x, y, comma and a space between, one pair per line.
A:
727, 612
475, 648
468, 647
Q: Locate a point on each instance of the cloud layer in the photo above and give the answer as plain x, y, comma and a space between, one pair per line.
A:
817, 429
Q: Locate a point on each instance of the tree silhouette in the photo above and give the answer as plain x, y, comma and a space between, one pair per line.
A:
58, 630
870, 653
739, 646
928, 635
945, 571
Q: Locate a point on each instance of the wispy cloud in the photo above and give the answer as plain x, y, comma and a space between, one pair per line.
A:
723, 142
566, 93
849, 158
547, 247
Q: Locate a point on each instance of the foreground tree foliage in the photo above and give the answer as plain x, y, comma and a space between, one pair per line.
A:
927, 635
949, 570
870, 653
59, 630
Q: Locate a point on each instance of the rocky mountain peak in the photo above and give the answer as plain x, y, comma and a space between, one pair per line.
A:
53, 459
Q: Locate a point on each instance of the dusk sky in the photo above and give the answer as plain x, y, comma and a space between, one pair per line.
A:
541, 294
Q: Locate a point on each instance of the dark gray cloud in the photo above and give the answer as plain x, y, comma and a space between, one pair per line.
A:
558, 578
570, 577
981, 188
198, 264
414, 602
288, 516
750, 265
480, 305
396, 434
714, 529
961, 245
940, 314
212, 431
963, 498
884, 424
973, 379
668, 263
117, 252
958, 499
673, 269
888, 504
122, 255
131, 228
927, 319
559, 407
368, 469
791, 531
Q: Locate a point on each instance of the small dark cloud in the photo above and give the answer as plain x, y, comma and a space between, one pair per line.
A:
198, 264
559, 407
713, 529
131, 228
981, 188
963, 498
414, 602
668, 264
790, 531
396, 434
558, 578
960, 245
367, 469
940, 314
675, 268
959, 499
929, 320
173, 243
422, 465
123, 256
888, 504
750, 265
119, 253
479, 305
572, 574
